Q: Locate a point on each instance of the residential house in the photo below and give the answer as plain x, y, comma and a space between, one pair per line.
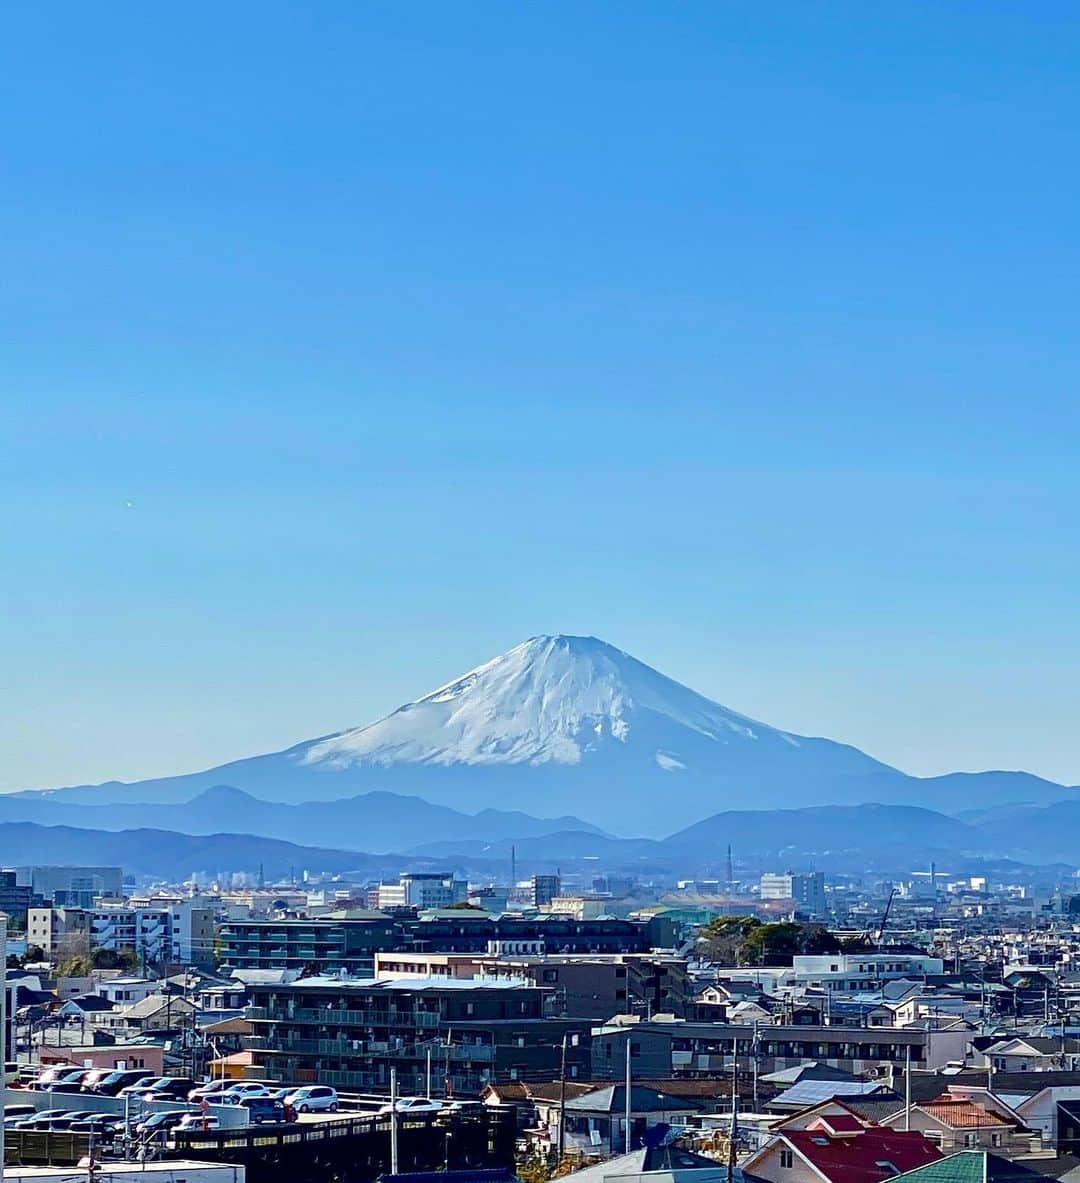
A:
974, 1166
656, 1164
1029, 1053
596, 1120
970, 1122
839, 1148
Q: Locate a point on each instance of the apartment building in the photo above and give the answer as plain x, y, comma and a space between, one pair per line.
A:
173, 933
853, 972
466, 1032
60, 932
806, 891
342, 944
423, 890
349, 942
702, 1049
584, 986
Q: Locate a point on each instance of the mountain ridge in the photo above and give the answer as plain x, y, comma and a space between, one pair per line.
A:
563, 720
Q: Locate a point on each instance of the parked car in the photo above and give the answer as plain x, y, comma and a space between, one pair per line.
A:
231, 1090
169, 1088
41, 1120
60, 1080
263, 1109
281, 1094
118, 1079
28, 1073
408, 1105
102, 1127
313, 1098
138, 1088
14, 1111
159, 1124
462, 1107
196, 1122
11, 1071
59, 1121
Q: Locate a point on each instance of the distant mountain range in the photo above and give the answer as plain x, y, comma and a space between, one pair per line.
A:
874, 838
557, 725
375, 822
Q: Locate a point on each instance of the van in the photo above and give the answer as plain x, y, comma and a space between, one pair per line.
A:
262, 1109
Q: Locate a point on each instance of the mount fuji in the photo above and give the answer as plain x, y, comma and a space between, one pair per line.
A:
572, 725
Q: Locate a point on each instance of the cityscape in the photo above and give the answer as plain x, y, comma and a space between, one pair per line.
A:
539, 623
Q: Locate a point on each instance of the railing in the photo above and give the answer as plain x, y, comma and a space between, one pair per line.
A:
348, 1048
332, 1017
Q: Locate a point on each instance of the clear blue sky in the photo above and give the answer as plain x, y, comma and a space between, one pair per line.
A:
742, 335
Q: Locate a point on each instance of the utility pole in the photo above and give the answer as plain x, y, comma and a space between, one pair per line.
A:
629, 1108
393, 1122
427, 1076
733, 1132
907, 1087
562, 1100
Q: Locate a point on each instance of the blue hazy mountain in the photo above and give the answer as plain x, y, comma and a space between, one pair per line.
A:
563, 725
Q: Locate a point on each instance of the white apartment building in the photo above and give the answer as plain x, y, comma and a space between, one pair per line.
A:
422, 890
181, 933
852, 972
805, 890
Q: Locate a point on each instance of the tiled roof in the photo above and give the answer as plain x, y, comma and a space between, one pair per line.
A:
974, 1166
875, 1154
960, 1114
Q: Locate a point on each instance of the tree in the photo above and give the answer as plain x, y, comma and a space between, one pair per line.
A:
719, 940
778, 944
114, 959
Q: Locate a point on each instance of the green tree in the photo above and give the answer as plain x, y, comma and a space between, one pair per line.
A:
720, 939
778, 944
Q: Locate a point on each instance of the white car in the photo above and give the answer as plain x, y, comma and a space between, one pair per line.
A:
313, 1098
197, 1122
407, 1105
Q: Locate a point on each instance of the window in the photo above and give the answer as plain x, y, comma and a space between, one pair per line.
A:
995, 1139
787, 1159
971, 1140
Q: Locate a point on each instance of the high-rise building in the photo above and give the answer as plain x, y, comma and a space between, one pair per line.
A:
71, 887
15, 897
544, 889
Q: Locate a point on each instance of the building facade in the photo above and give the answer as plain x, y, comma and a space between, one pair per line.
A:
465, 1033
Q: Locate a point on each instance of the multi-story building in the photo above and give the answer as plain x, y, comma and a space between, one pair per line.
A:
177, 933
60, 932
806, 891
584, 986
350, 942
332, 944
544, 889
580, 907
703, 1049
851, 972
423, 890
71, 887
467, 1033
15, 897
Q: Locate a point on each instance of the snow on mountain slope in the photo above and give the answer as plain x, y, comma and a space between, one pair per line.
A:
571, 725
548, 700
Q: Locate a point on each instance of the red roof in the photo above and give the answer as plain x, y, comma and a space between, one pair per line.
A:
960, 1113
839, 1123
875, 1154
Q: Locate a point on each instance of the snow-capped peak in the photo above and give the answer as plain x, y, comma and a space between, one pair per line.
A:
549, 700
